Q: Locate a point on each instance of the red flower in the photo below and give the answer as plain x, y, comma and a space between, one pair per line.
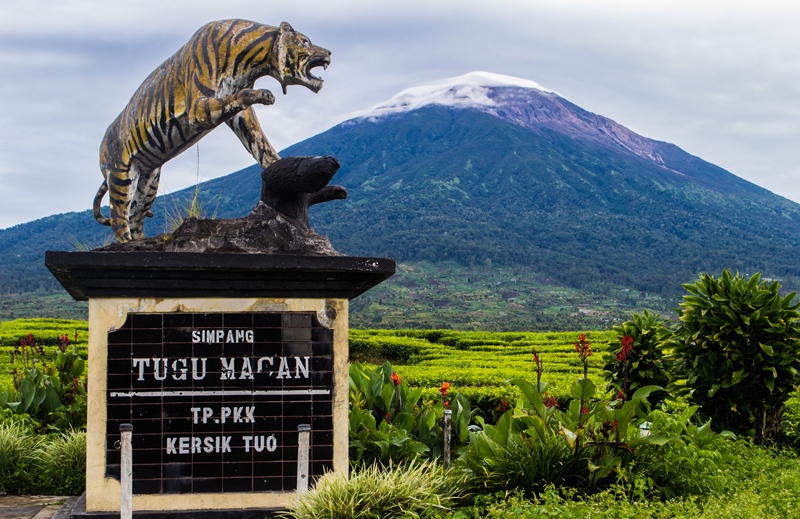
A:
396, 379
550, 401
388, 417
627, 347
620, 395
503, 407
582, 346
445, 388
535, 357
446, 404
584, 410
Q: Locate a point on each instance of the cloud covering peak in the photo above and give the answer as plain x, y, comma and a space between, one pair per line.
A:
470, 89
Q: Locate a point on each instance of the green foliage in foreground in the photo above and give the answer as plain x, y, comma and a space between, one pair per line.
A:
759, 482
31, 463
412, 491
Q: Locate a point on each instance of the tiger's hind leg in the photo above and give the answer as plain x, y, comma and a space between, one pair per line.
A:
121, 187
245, 125
143, 198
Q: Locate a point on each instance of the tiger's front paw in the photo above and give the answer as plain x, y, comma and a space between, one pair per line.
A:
256, 97
266, 97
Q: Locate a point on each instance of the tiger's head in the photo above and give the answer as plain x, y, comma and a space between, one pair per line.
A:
296, 57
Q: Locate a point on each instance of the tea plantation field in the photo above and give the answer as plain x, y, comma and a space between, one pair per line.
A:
480, 364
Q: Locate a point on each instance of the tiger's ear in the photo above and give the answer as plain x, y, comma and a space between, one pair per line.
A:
285, 27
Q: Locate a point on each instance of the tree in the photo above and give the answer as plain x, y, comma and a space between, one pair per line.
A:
737, 351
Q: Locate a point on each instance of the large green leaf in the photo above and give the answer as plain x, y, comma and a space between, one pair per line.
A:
583, 389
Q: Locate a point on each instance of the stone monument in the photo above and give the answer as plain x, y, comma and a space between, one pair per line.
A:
220, 341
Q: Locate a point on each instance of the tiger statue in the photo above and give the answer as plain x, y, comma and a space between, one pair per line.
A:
208, 81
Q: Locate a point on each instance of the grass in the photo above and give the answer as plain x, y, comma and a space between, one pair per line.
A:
413, 491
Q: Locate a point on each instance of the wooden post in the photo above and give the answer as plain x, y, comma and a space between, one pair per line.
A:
126, 471
303, 433
448, 414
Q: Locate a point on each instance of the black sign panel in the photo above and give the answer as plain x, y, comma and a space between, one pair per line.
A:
215, 399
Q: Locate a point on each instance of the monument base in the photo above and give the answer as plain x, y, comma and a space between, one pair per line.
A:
218, 361
79, 512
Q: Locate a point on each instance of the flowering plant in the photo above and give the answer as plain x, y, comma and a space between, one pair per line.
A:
583, 347
637, 360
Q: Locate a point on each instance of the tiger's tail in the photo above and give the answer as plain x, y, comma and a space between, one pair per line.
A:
98, 199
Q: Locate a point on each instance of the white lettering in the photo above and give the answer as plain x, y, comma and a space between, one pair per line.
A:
249, 412
272, 443
300, 367
222, 336
157, 371
195, 411
182, 370
247, 440
194, 369
207, 444
283, 369
247, 370
227, 372
207, 412
141, 364
226, 412
261, 361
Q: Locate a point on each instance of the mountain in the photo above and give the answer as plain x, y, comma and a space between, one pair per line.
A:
485, 169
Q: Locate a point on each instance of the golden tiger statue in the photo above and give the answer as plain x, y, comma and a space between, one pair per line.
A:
207, 82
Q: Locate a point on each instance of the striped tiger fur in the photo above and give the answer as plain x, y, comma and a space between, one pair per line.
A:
207, 82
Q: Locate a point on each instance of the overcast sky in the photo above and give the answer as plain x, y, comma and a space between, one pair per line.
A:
721, 79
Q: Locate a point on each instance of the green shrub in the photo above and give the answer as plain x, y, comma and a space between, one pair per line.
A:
763, 483
19, 460
583, 446
63, 463
390, 424
789, 429
44, 464
691, 463
642, 364
737, 351
405, 491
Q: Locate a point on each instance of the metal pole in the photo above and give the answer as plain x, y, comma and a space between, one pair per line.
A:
303, 433
126, 471
448, 416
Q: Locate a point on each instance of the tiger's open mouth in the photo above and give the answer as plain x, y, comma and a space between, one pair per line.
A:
315, 83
